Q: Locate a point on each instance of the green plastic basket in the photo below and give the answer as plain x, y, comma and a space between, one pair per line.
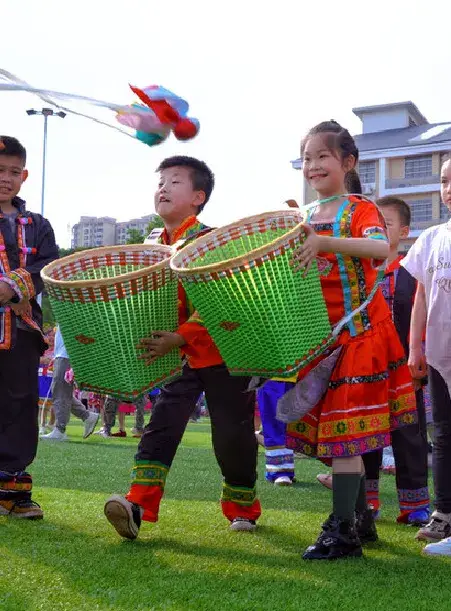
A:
106, 300
266, 319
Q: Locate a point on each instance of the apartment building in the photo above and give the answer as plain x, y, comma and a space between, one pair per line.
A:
93, 231
140, 225
400, 155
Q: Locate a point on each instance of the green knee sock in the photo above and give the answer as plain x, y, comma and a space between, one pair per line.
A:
361, 505
345, 488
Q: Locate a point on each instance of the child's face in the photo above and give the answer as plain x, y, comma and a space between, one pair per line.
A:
323, 170
175, 197
12, 175
446, 184
395, 229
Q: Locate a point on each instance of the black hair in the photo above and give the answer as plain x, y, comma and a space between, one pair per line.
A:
202, 177
401, 207
352, 182
340, 143
11, 147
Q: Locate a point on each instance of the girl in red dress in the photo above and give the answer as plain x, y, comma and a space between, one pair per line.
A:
370, 391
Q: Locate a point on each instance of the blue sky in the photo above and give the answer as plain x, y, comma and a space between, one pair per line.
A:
257, 75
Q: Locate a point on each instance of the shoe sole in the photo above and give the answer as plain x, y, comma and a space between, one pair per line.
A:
423, 537
119, 515
26, 516
283, 484
355, 554
90, 430
425, 552
21, 516
243, 527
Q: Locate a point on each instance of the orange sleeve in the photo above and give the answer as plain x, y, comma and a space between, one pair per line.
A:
198, 346
368, 222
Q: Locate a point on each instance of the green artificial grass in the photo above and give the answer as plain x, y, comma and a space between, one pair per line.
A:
189, 560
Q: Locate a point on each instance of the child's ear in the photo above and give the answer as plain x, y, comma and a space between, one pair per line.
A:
349, 163
404, 233
24, 175
200, 198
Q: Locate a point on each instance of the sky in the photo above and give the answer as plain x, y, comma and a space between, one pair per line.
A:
256, 74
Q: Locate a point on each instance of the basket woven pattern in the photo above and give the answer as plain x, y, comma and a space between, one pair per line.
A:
265, 318
105, 301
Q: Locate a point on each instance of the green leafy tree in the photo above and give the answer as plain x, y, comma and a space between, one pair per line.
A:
134, 236
157, 221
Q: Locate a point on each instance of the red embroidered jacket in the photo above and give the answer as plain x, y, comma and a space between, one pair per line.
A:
199, 348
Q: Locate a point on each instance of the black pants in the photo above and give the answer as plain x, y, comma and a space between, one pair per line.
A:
410, 450
441, 452
231, 411
19, 402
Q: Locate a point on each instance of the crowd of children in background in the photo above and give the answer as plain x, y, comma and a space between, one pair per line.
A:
59, 397
392, 348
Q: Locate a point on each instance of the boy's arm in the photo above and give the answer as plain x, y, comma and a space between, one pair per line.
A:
26, 282
417, 361
192, 335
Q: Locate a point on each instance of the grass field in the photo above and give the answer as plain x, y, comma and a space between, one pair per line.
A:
74, 560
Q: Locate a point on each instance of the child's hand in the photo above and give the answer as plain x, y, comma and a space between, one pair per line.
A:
158, 345
417, 363
6, 292
304, 256
22, 308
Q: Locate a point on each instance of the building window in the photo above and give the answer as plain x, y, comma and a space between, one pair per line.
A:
367, 171
418, 167
421, 210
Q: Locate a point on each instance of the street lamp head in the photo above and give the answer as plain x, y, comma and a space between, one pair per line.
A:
61, 114
32, 111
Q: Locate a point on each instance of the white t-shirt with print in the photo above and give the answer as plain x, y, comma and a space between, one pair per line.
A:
429, 261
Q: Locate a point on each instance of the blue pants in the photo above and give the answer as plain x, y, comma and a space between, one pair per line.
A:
279, 459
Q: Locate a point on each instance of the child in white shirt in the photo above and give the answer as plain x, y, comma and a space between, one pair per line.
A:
429, 261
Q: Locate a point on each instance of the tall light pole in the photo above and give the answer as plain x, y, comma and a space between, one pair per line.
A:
46, 113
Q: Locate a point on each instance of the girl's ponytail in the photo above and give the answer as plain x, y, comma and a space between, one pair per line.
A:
352, 182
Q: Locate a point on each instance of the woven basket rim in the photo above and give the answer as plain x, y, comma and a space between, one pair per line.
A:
234, 261
105, 250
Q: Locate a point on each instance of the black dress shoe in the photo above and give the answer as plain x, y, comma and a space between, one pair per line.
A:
366, 526
339, 539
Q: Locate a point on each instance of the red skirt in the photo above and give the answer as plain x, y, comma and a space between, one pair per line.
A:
370, 393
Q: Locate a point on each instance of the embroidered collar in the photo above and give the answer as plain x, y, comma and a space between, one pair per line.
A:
190, 227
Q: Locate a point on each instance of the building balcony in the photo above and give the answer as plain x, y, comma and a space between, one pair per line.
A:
407, 183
